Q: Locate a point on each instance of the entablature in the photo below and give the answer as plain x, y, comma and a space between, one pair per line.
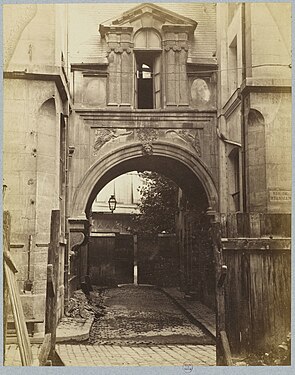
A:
167, 119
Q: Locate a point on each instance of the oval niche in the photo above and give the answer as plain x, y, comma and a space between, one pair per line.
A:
200, 91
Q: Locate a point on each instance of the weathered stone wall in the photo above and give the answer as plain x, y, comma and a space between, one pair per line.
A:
255, 111
31, 167
269, 152
270, 56
103, 134
31, 173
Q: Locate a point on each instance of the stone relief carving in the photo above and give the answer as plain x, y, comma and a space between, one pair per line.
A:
200, 90
147, 136
189, 136
102, 136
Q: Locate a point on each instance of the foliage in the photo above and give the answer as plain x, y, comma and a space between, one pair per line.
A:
158, 205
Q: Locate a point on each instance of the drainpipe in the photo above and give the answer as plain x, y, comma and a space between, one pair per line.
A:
243, 125
224, 139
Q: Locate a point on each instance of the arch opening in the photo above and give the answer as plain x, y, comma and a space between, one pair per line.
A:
189, 257
187, 181
176, 163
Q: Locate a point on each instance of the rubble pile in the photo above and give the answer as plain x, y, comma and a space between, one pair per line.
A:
85, 306
278, 356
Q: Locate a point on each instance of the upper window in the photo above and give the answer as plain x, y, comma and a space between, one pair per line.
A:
147, 46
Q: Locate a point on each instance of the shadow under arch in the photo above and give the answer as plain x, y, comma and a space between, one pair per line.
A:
175, 162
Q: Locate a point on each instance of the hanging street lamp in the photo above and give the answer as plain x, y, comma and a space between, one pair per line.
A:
112, 203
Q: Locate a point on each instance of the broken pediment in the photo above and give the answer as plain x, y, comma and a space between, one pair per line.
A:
148, 16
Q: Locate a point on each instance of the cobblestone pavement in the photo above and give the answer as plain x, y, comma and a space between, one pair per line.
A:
114, 355
139, 315
134, 326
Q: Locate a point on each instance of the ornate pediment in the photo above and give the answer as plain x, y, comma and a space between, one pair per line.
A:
148, 16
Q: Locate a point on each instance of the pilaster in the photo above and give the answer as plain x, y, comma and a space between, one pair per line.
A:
175, 47
120, 60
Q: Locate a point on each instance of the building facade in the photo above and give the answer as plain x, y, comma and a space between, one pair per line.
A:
197, 92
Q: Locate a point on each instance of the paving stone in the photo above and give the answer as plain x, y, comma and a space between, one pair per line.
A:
144, 357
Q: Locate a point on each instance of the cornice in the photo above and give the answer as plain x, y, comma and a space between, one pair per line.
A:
55, 74
265, 85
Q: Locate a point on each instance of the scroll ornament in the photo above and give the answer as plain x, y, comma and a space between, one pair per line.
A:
189, 136
102, 136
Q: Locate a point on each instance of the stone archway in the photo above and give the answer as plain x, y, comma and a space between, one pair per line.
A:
177, 163
130, 157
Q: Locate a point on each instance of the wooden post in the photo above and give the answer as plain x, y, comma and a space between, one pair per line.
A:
52, 280
223, 356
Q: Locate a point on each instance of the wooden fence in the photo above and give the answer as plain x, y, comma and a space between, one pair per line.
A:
255, 225
257, 293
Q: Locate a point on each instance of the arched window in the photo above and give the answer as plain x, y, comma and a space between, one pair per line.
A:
147, 49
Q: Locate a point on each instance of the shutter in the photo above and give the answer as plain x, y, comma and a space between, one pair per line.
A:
157, 82
135, 99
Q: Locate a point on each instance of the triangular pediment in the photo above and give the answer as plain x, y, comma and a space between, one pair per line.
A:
149, 14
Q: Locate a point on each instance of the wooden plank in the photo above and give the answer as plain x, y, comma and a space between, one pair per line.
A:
51, 298
226, 349
19, 318
45, 350
6, 249
220, 300
14, 296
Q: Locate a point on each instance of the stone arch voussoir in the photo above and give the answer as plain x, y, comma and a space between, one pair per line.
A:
113, 159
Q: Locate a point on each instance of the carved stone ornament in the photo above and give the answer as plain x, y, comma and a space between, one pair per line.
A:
102, 136
176, 48
147, 136
189, 136
119, 50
